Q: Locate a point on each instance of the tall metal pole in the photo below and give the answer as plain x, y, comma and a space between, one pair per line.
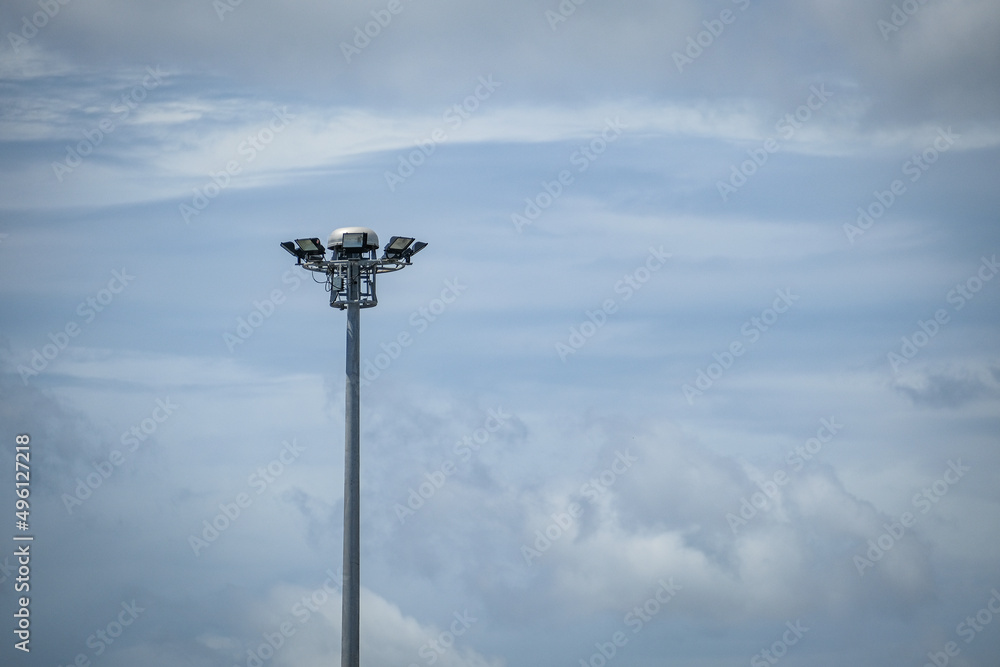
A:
351, 623
352, 286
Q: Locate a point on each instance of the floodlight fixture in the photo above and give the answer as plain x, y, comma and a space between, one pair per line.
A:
350, 278
415, 248
397, 245
305, 249
311, 246
290, 247
354, 241
402, 248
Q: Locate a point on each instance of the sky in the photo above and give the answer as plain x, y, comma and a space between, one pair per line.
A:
700, 366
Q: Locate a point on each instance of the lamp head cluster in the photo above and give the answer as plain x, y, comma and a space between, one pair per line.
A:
353, 243
354, 253
305, 249
402, 247
349, 243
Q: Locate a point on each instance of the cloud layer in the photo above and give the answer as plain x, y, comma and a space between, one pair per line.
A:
699, 367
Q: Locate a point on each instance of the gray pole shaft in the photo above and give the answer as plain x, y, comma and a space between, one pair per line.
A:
351, 622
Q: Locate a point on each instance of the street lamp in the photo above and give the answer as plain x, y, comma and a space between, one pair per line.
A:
350, 279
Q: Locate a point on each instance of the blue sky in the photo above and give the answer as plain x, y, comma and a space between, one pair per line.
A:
700, 366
